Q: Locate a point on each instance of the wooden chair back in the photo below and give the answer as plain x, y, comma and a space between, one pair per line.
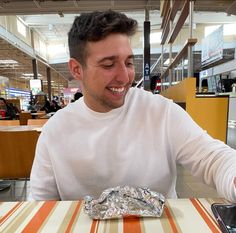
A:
40, 122
17, 150
9, 122
41, 113
23, 117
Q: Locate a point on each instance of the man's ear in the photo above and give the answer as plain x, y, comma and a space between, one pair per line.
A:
75, 68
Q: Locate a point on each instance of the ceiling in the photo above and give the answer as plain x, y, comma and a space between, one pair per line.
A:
52, 20
77, 6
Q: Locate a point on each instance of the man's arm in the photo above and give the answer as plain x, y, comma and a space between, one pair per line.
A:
208, 159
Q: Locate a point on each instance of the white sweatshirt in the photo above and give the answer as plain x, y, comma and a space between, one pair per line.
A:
81, 152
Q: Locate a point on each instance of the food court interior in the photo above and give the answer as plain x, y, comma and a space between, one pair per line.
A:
184, 50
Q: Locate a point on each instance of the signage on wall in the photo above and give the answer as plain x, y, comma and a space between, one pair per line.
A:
146, 72
35, 86
212, 47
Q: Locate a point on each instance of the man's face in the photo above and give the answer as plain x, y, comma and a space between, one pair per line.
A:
108, 74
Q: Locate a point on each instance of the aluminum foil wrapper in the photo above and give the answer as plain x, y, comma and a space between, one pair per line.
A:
119, 202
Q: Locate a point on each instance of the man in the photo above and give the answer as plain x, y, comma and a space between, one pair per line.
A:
117, 135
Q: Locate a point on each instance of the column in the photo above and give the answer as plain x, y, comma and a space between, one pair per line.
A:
146, 54
49, 84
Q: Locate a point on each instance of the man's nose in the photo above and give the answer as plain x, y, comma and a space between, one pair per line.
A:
122, 74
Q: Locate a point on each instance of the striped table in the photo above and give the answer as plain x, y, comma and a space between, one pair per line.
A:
180, 215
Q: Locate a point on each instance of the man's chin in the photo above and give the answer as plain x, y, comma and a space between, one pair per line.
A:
115, 104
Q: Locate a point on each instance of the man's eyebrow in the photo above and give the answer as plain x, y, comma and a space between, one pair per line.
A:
131, 56
113, 58
110, 58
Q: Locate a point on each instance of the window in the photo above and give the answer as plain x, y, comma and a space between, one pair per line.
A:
155, 38
21, 28
228, 29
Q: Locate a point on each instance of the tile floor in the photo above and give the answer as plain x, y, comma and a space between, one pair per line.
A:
18, 191
188, 186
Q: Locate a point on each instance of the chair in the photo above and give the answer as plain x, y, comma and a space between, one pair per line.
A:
9, 122
40, 122
41, 114
23, 117
17, 150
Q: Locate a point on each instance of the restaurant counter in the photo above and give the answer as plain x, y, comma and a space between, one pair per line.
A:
179, 215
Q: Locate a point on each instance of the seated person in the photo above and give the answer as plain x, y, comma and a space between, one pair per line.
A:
54, 106
117, 135
6, 110
46, 107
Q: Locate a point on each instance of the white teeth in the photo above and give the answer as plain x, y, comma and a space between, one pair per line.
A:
119, 90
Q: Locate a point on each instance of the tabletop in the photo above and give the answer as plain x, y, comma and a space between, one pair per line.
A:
4, 118
179, 215
21, 128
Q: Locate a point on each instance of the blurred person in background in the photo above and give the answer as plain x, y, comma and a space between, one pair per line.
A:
46, 107
77, 95
6, 111
31, 106
54, 107
14, 108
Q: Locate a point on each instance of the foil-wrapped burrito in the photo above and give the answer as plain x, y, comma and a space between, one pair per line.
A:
125, 201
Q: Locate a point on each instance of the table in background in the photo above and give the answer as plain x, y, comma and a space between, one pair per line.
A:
21, 128
180, 215
37, 115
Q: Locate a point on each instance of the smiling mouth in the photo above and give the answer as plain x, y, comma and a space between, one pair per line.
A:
117, 90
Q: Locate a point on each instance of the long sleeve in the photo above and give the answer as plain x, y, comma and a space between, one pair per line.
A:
209, 159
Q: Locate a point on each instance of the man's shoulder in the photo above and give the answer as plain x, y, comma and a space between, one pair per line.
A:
145, 97
61, 118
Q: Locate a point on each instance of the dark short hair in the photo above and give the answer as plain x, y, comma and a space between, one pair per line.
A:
95, 26
1, 98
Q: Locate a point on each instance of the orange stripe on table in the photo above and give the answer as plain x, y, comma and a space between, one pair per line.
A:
73, 218
94, 227
205, 216
38, 219
9, 213
171, 220
203, 207
131, 225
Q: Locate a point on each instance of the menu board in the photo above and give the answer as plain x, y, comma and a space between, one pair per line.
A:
35, 86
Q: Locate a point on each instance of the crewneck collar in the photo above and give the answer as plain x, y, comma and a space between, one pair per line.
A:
101, 115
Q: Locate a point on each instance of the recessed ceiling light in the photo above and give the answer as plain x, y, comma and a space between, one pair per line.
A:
30, 75
8, 62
